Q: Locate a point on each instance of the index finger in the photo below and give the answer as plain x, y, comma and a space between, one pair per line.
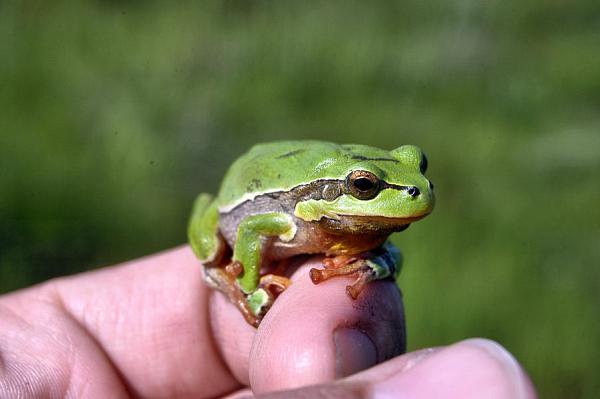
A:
140, 328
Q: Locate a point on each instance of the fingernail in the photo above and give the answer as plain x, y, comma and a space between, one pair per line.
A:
354, 351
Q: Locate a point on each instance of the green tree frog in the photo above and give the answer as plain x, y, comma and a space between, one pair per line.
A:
287, 198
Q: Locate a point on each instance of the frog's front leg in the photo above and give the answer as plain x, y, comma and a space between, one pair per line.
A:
248, 252
377, 264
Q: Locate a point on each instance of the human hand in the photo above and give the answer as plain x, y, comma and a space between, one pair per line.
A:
151, 328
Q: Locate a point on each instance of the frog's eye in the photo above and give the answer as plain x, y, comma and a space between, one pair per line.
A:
362, 184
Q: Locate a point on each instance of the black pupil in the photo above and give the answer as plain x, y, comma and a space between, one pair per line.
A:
363, 184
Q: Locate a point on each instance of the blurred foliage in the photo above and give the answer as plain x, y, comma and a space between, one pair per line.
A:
114, 115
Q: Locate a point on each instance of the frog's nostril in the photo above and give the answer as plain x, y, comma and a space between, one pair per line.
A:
413, 191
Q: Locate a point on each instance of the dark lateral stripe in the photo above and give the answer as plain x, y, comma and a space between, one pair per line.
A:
313, 190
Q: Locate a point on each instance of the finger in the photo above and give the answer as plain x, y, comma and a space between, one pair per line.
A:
474, 368
147, 319
317, 333
45, 353
312, 334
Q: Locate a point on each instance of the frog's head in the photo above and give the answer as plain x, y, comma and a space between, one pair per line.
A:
377, 194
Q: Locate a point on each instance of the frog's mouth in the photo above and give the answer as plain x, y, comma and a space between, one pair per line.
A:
379, 225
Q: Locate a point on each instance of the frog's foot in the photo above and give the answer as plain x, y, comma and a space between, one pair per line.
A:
225, 281
270, 281
339, 261
342, 266
270, 286
253, 305
234, 268
365, 276
259, 302
377, 264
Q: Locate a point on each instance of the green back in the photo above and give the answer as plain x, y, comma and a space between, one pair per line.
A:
280, 166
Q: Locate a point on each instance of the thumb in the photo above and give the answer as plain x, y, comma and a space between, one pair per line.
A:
473, 368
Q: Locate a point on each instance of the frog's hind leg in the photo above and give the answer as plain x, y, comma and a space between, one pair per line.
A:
210, 247
203, 230
223, 280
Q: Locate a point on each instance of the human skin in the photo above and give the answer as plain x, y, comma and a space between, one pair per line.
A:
151, 328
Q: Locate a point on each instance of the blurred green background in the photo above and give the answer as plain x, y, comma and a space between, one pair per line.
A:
114, 115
